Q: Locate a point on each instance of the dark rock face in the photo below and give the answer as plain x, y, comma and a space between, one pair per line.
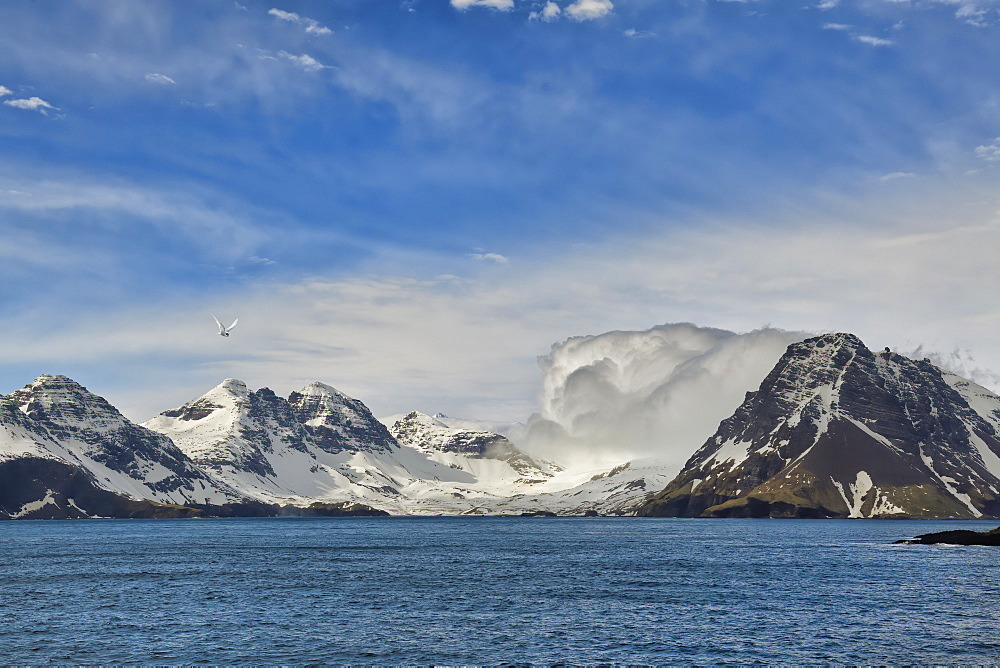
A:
34, 488
836, 430
340, 509
339, 423
957, 537
195, 410
249, 429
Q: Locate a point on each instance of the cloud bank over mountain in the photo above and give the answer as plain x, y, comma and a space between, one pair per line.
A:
654, 393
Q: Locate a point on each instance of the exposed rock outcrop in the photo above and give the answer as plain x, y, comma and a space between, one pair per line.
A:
836, 430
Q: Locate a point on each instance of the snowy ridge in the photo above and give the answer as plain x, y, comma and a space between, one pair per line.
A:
836, 430
310, 448
55, 418
485, 454
321, 445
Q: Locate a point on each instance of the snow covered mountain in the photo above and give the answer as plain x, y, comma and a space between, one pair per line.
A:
317, 445
321, 445
615, 491
506, 429
836, 430
487, 455
65, 452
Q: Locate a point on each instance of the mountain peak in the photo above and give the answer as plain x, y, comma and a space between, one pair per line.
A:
233, 386
319, 389
835, 341
418, 418
48, 380
838, 431
56, 392
845, 338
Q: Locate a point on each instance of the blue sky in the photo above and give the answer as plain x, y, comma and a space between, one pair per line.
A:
413, 200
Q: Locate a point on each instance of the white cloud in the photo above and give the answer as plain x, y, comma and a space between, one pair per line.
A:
550, 12
632, 33
836, 26
873, 41
502, 5
31, 103
406, 343
5, 91
305, 61
972, 14
958, 361
490, 257
312, 26
827, 4
896, 175
159, 78
585, 10
655, 393
989, 152
223, 235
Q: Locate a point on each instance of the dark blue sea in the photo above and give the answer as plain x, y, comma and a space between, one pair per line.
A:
493, 591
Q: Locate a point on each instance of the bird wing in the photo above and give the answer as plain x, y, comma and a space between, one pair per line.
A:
230, 328
222, 328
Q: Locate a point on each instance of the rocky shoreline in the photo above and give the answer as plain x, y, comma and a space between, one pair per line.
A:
956, 537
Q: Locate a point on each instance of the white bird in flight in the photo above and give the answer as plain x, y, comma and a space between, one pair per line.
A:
223, 330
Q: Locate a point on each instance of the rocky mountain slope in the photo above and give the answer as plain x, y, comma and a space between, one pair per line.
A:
486, 455
316, 445
321, 445
65, 452
836, 430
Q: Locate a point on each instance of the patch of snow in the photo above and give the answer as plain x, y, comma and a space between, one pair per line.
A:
732, 452
32, 506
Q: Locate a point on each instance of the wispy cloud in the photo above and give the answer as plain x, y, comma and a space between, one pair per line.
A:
305, 61
896, 175
871, 40
632, 33
5, 91
973, 14
490, 257
836, 26
989, 152
223, 234
31, 103
586, 10
827, 4
502, 5
815, 277
153, 77
312, 26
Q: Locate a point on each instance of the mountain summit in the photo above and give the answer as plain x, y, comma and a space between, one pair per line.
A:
836, 430
66, 452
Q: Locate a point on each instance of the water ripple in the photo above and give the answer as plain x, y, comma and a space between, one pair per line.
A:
499, 591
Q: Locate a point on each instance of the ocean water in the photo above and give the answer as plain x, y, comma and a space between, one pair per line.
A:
493, 591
